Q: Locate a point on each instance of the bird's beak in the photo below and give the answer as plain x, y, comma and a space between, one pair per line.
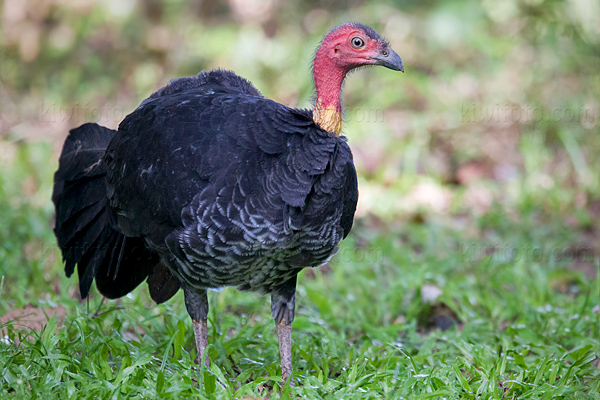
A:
390, 60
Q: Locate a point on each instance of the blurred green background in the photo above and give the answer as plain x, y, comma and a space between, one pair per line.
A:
490, 142
499, 102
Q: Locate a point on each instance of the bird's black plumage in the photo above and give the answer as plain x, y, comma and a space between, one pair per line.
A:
209, 184
206, 184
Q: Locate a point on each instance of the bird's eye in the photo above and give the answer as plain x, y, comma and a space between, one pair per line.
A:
357, 42
385, 53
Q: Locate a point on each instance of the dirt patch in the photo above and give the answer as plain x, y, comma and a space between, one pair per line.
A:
31, 319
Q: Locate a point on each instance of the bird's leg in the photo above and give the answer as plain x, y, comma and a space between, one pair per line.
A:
284, 335
201, 334
283, 303
196, 303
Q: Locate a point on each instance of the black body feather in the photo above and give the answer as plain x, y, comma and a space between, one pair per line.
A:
205, 184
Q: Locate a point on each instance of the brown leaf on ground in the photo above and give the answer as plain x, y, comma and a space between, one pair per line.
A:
586, 267
32, 318
309, 274
594, 209
472, 171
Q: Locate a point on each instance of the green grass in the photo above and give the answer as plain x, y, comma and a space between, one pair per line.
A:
524, 327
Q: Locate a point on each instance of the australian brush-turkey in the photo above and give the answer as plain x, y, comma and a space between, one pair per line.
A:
209, 184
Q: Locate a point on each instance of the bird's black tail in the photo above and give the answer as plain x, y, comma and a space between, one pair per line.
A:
86, 228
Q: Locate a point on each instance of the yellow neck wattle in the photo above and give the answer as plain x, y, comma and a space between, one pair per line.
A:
328, 117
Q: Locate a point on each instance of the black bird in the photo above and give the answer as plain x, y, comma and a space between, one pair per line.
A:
209, 184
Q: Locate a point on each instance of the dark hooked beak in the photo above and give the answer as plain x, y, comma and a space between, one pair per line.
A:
389, 59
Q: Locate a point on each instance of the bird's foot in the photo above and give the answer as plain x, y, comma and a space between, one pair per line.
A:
285, 380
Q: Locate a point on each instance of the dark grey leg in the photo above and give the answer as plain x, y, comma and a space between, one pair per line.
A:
283, 304
196, 303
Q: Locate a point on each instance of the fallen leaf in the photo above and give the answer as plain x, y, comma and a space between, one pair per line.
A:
473, 171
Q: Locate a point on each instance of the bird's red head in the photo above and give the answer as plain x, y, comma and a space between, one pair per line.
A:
344, 48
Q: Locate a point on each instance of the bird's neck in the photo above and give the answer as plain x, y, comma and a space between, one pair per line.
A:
329, 78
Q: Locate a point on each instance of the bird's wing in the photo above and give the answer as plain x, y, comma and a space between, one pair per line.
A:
350, 193
212, 146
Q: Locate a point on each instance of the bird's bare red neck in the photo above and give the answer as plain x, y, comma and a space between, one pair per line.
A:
329, 77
